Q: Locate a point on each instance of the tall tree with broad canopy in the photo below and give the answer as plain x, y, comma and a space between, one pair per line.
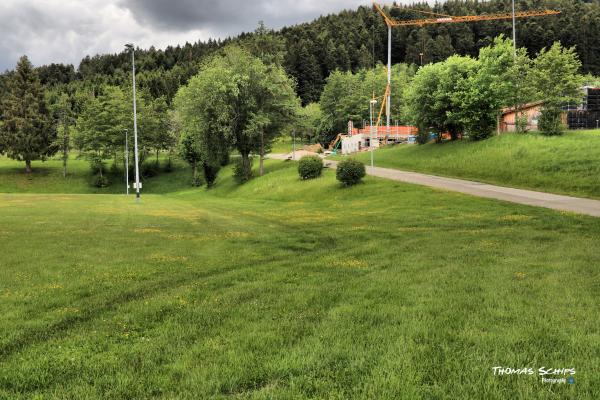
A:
239, 101
556, 79
27, 132
430, 99
101, 126
309, 123
490, 87
202, 113
154, 133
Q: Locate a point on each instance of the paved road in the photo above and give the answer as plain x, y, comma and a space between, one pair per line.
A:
520, 196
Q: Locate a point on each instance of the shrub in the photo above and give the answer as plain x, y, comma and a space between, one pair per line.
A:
423, 136
310, 167
521, 123
549, 122
149, 169
196, 181
96, 165
168, 166
350, 172
242, 171
210, 174
101, 181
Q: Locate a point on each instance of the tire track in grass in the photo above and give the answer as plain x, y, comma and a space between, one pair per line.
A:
78, 323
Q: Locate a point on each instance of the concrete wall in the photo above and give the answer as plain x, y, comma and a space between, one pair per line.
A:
353, 144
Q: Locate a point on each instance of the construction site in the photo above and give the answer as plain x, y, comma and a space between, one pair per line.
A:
376, 133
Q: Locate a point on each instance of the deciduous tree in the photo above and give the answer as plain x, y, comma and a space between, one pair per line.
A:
555, 76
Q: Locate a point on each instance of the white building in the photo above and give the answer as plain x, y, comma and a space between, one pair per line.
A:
356, 143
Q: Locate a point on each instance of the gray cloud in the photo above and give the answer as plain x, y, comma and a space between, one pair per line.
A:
65, 31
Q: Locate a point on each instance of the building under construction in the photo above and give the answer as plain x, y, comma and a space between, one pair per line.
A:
356, 139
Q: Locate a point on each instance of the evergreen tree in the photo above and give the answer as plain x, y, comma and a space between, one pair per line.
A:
65, 121
27, 132
365, 58
309, 75
266, 45
419, 48
442, 48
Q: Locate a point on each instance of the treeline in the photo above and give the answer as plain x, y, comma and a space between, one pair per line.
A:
241, 99
345, 41
462, 95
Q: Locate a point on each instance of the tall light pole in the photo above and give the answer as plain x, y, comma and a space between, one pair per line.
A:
138, 186
127, 162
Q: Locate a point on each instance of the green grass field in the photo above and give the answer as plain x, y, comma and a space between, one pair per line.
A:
284, 289
568, 164
47, 177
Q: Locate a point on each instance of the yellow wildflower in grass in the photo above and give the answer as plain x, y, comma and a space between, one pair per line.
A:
349, 263
147, 230
515, 218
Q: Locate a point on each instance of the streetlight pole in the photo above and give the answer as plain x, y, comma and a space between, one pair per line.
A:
127, 162
371, 105
135, 141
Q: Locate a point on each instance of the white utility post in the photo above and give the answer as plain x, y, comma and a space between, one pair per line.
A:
138, 186
127, 162
389, 80
371, 105
294, 145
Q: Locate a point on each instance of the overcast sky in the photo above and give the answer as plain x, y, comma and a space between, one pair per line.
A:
68, 30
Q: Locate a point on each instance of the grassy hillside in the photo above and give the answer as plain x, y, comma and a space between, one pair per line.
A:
290, 289
568, 164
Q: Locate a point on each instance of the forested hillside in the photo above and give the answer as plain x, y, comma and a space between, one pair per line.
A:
346, 41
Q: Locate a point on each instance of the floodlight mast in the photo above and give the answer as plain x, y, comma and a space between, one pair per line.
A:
130, 47
127, 162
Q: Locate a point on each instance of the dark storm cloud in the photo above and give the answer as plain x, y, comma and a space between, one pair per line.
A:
228, 17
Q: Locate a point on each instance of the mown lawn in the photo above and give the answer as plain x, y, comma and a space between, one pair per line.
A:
568, 164
287, 289
47, 177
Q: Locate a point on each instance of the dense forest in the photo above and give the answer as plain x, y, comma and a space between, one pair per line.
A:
347, 41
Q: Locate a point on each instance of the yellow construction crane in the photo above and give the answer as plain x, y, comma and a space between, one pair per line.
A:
440, 19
